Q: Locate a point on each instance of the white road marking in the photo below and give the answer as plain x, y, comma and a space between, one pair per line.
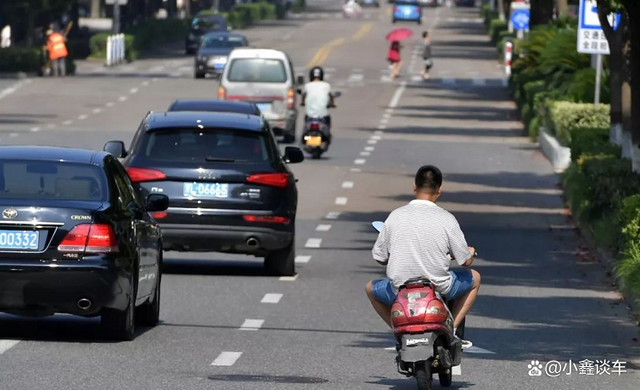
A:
14, 135
50, 126
34, 129
156, 69
122, 99
382, 127
376, 137
133, 90
110, 104
313, 243
356, 170
82, 117
347, 184
398, 94
385, 79
372, 141
364, 154
341, 200
457, 370
226, 359
378, 132
479, 82
145, 84
355, 78
271, 298
333, 215
289, 278
97, 110
8, 91
416, 78
369, 148
384, 121
360, 161
6, 345
288, 35
386, 115
302, 259
67, 123
323, 227
479, 351
251, 324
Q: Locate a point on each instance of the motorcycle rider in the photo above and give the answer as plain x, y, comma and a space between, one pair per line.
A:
420, 240
317, 98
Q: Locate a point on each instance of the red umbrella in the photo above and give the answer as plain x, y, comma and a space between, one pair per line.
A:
399, 34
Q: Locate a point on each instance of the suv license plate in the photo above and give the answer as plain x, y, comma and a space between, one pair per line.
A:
205, 190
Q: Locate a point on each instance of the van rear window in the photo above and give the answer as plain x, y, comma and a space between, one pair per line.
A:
257, 70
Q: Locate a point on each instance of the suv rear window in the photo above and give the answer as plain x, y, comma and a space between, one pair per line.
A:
215, 145
50, 180
257, 70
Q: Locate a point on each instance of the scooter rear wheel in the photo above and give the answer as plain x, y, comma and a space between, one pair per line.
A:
445, 379
423, 376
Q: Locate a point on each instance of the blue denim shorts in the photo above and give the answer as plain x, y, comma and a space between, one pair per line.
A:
461, 283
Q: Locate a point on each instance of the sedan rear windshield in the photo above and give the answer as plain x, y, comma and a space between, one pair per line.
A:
50, 180
213, 145
222, 41
257, 70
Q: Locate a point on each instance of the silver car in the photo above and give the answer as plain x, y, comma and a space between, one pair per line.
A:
266, 78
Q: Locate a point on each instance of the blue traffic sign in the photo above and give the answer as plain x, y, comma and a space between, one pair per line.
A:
520, 19
589, 19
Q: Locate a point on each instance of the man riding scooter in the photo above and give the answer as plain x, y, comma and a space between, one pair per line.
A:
420, 240
317, 98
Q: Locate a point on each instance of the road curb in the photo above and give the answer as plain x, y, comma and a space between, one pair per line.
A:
558, 155
17, 75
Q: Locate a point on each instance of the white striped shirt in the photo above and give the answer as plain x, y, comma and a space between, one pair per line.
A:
419, 239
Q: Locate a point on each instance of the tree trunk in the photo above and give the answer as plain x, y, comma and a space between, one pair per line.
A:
187, 8
501, 9
96, 8
31, 27
563, 8
633, 13
541, 12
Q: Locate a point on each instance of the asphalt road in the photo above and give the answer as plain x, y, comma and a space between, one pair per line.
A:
226, 325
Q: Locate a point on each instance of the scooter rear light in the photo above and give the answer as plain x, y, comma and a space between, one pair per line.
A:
398, 318
314, 126
436, 312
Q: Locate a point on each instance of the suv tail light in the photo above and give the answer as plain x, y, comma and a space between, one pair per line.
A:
266, 218
270, 179
291, 99
222, 94
396, 9
138, 175
91, 238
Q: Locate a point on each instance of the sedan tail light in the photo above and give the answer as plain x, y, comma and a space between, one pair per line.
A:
91, 238
222, 93
138, 175
291, 99
270, 179
396, 9
266, 218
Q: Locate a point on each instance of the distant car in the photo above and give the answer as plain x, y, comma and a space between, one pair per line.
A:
76, 238
201, 25
229, 187
264, 77
467, 3
407, 11
371, 3
428, 3
215, 106
214, 51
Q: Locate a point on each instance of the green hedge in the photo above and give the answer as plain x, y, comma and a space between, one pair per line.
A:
564, 117
27, 59
497, 26
298, 6
592, 141
98, 46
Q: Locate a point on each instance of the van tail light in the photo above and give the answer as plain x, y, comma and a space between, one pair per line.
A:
266, 218
291, 99
222, 94
138, 175
90, 238
279, 180
314, 126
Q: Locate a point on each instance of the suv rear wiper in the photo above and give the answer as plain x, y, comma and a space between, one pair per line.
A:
217, 159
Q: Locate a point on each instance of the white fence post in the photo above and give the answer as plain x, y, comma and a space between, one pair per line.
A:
121, 47
508, 54
109, 50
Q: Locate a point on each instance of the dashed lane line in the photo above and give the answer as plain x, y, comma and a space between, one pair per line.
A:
82, 117
109, 104
14, 135
289, 278
67, 122
372, 141
347, 184
457, 370
382, 127
302, 259
271, 298
323, 227
364, 154
369, 148
97, 110
34, 129
341, 201
6, 345
313, 243
122, 99
226, 359
376, 137
133, 90
333, 215
398, 94
250, 324
356, 170
360, 161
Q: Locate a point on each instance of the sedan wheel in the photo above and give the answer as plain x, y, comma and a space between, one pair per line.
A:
149, 313
119, 325
281, 262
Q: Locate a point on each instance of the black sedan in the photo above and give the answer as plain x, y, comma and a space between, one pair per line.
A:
214, 51
201, 25
247, 108
75, 238
230, 189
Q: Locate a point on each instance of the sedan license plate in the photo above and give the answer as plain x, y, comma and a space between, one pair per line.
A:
218, 66
19, 240
314, 141
205, 190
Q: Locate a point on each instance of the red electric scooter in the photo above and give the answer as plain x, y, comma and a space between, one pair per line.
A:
423, 328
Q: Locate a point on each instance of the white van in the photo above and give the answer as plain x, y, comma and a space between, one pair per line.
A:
266, 78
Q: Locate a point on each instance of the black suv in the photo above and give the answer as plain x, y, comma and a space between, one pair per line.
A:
230, 190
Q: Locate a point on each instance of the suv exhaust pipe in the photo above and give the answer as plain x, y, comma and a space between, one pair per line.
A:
84, 304
253, 243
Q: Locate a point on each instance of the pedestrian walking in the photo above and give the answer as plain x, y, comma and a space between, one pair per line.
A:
394, 59
58, 53
426, 55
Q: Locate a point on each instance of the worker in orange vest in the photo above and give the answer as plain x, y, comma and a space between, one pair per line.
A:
57, 52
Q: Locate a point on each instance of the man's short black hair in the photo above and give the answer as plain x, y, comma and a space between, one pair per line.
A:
428, 179
425, 34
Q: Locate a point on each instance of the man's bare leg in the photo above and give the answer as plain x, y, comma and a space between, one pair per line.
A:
463, 304
383, 310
